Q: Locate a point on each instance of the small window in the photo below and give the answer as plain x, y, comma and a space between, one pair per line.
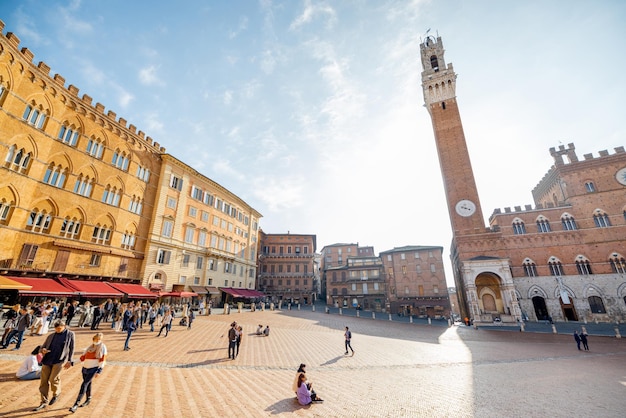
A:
163, 256
618, 263
601, 219
568, 222
590, 187
434, 63
530, 269
583, 267
518, 227
556, 268
95, 260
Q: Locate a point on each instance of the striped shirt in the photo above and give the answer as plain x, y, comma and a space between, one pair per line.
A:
90, 359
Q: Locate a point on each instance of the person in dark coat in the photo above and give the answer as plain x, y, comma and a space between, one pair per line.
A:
71, 311
57, 350
583, 339
577, 339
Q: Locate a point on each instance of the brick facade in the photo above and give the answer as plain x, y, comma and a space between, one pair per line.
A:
288, 268
561, 258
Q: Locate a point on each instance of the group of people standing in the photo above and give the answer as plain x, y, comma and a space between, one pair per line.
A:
235, 334
581, 338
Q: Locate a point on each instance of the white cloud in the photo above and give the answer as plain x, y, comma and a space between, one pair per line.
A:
148, 76
225, 168
154, 123
124, 97
268, 62
227, 97
243, 25
311, 11
280, 193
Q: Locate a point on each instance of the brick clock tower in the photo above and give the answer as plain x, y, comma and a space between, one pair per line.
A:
483, 279
439, 84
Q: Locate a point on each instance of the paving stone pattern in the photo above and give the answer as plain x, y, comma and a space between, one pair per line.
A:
399, 370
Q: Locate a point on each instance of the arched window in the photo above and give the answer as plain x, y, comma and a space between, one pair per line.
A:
434, 63
590, 187
618, 263
530, 268
39, 221
111, 196
583, 266
518, 227
70, 228
556, 268
69, 135
568, 222
5, 210
601, 219
95, 147
35, 115
543, 225
101, 234
128, 240
55, 175
120, 160
18, 160
136, 205
596, 305
83, 185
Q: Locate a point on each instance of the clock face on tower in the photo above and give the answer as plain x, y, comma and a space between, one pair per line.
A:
621, 176
465, 207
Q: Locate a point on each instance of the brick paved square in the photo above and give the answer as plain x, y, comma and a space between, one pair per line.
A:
399, 370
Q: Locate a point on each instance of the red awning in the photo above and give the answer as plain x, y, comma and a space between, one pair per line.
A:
92, 289
43, 287
234, 292
8, 284
134, 291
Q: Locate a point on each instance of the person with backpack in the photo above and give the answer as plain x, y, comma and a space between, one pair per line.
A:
348, 337
23, 322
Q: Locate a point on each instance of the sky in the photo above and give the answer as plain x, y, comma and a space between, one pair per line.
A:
312, 111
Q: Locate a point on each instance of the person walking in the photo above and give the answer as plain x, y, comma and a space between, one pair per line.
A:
583, 339
131, 326
232, 340
58, 350
577, 339
152, 314
165, 323
98, 312
239, 337
192, 316
71, 311
94, 359
348, 336
23, 322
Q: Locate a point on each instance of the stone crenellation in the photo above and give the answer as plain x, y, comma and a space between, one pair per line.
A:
42, 71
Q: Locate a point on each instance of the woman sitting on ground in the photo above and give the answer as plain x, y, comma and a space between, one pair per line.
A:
305, 393
31, 367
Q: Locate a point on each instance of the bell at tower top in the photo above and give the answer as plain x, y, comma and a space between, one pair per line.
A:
432, 55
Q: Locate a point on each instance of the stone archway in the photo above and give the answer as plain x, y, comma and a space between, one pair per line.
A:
489, 294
